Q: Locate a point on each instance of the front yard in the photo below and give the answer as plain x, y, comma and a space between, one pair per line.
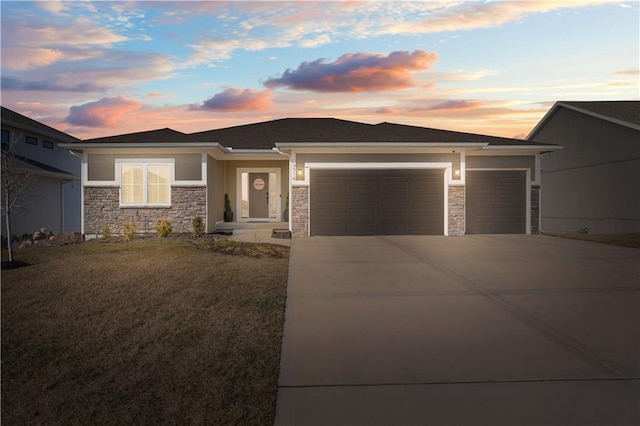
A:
150, 332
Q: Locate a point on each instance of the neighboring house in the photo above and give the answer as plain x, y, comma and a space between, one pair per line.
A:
53, 200
340, 177
593, 184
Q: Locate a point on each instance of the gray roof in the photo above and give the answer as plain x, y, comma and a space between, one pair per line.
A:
265, 135
151, 136
38, 168
626, 111
15, 119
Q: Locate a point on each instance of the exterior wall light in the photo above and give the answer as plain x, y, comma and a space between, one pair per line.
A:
456, 173
300, 172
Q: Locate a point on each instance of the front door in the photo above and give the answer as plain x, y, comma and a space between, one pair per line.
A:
259, 195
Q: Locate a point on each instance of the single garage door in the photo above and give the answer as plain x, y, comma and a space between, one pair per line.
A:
496, 202
377, 202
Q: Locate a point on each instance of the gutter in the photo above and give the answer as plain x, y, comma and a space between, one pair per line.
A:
380, 144
145, 145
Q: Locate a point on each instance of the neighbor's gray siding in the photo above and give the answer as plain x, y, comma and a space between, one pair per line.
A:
42, 208
47, 204
595, 180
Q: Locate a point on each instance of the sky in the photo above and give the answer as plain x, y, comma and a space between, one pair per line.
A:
98, 68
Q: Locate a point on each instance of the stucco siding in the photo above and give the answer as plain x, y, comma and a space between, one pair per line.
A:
232, 181
101, 167
502, 162
379, 158
215, 192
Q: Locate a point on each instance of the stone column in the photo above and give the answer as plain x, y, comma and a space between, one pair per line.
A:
456, 211
535, 210
300, 211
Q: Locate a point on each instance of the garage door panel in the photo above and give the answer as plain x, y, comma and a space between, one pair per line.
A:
496, 202
379, 202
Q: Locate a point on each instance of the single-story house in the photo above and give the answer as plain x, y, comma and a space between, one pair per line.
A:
52, 200
593, 184
332, 177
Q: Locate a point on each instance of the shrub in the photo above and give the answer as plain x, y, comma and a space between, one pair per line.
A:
106, 231
198, 227
129, 230
163, 227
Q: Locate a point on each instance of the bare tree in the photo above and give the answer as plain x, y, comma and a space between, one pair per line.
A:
15, 180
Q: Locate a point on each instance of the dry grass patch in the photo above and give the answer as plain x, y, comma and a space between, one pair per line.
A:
141, 332
630, 239
237, 248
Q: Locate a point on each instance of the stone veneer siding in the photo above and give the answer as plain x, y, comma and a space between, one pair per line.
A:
101, 207
535, 209
300, 211
456, 211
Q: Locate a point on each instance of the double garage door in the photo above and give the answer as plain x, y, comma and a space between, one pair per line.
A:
377, 202
411, 202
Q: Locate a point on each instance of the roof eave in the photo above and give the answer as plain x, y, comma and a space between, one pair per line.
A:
380, 144
49, 134
126, 145
524, 147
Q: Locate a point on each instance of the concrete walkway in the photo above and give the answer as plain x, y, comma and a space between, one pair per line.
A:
473, 330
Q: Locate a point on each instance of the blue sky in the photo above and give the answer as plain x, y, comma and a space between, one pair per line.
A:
495, 67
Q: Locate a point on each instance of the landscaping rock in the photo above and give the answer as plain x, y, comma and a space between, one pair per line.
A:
67, 238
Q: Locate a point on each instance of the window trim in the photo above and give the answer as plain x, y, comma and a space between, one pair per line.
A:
27, 139
144, 162
47, 144
8, 133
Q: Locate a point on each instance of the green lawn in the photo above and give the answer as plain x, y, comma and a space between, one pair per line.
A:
153, 331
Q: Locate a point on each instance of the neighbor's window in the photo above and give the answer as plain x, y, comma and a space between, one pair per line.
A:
31, 140
5, 136
145, 184
47, 144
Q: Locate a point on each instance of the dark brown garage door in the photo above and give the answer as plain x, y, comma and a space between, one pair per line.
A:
377, 202
496, 202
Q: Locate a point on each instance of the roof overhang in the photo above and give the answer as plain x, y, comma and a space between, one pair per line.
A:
215, 149
25, 167
473, 148
39, 131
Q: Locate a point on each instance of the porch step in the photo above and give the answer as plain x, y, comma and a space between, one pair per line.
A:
230, 226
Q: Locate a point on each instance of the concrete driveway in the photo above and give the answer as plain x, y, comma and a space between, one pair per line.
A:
474, 330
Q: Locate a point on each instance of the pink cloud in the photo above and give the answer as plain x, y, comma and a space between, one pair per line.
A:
107, 112
233, 100
20, 59
453, 105
387, 110
356, 72
156, 95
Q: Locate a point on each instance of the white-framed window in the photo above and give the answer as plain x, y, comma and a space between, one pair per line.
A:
145, 183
